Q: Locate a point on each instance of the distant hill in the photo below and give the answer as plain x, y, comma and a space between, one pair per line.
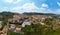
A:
38, 13
47, 14
26, 13
10, 14
6, 14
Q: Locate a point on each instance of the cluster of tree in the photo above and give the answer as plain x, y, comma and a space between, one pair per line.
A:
37, 29
7, 14
2, 25
11, 33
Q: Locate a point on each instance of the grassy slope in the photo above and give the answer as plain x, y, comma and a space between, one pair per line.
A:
57, 32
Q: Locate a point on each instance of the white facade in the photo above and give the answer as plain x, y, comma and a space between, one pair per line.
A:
0, 22
26, 23
42, 23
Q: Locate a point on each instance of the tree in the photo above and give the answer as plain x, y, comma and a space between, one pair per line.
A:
34, 29
12, 33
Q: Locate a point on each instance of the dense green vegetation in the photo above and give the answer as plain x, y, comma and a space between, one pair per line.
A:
56, 32
6, 14
35, 29
11, 33
38, 29
2, 25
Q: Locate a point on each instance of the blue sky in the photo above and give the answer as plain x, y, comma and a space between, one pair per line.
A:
20, 6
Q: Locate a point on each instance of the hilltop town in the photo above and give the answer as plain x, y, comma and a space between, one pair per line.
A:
28, 23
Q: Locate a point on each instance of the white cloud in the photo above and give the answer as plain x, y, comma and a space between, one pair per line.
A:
13, 1
4, 9
57, 11
58, 3
44, 5
9, 1
31, 7
28, 7
16, 1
